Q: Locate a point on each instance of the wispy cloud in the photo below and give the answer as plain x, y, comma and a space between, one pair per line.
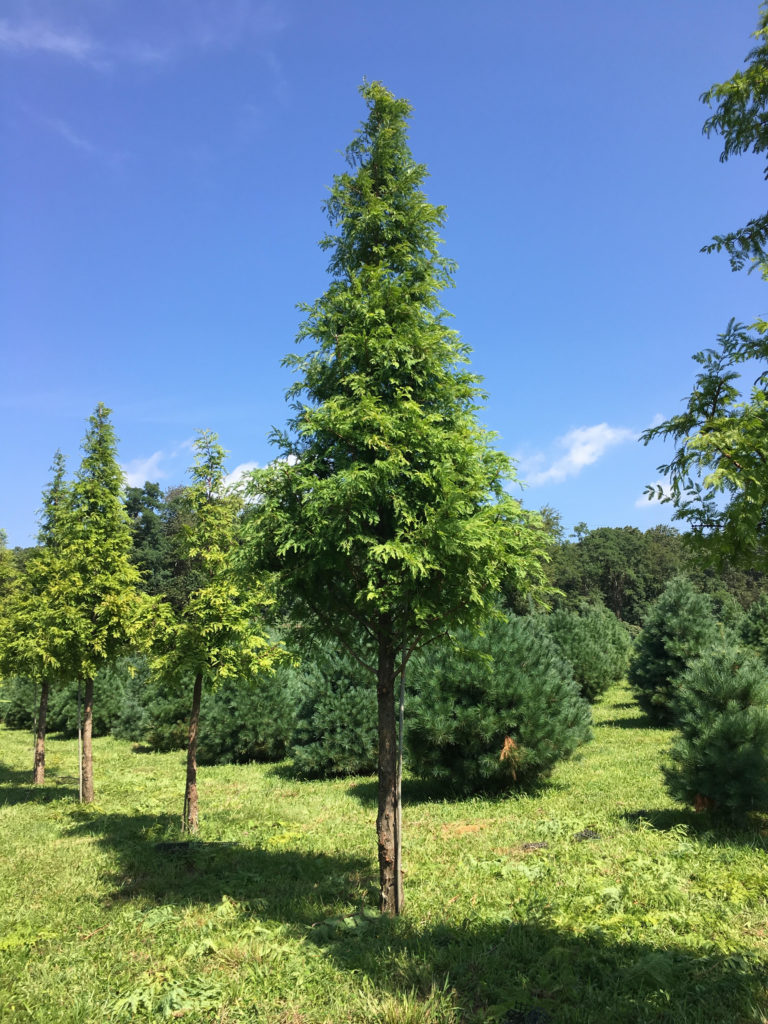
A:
580, 448
65, 131
118, 34
41, 37
138, 471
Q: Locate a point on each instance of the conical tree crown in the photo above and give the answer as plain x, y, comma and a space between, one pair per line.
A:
390, 500
98, 546
97, 492
380, 326
56, 497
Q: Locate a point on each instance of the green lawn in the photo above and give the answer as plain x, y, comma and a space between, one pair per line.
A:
595, 900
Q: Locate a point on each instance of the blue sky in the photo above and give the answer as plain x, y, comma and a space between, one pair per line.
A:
165, 163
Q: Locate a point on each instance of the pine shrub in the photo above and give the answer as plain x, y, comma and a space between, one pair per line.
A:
720, 760
594, 642
250, 720
336, 718
118, 701
496, 713
679, 625
18, 698
164, 725
753, 628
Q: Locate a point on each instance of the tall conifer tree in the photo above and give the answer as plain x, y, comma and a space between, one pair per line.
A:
387, 517
109, 609
42, 631
211, 633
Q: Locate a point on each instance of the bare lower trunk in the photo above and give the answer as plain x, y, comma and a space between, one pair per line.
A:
390, 873
189, 820
38, 773
87, 762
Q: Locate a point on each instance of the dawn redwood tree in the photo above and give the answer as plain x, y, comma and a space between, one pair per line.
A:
211, 634
42, 621
387, 516
7, 569
111, 615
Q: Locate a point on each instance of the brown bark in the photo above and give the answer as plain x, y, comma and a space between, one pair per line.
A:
189, 820
87, 762
38, 772
390, 872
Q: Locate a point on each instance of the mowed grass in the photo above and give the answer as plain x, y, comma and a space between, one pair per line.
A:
596, 899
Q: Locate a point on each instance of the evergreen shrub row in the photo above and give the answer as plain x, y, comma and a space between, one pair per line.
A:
496, 709
701, 668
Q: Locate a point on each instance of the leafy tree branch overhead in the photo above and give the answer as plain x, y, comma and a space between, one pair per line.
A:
741, 119
718, 476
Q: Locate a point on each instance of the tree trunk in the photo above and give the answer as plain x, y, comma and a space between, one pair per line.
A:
87, 762
189, 820
38, 774
391, 899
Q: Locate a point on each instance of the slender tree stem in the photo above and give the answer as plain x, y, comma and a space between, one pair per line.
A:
399, 791
38, 776
79, 745
190, 816
87, 757
386, 826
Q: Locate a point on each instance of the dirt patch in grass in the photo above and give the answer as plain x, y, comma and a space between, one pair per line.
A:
455, 829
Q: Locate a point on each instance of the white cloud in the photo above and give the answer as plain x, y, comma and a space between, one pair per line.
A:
645, 502
138, 471
120, 36
39, 37
67, 132
581, 447
236, 476
657, 420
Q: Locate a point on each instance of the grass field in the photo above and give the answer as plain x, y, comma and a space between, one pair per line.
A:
595, 900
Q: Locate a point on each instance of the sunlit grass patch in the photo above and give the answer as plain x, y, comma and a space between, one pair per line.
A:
595, 899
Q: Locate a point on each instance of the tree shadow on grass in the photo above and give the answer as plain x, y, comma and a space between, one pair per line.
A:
277, 883
288, 772
421, 791
634, 720
701, 825
16, 787
516, 971
530, 972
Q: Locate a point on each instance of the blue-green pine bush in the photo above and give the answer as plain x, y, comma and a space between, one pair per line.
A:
495, 712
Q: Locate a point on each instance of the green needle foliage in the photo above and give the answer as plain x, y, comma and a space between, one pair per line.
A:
387, 515
213, 634
678, 626
499, 712
111, 617
753, 628
7, 571
41, 625
594, 642
720, 761
335, 716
